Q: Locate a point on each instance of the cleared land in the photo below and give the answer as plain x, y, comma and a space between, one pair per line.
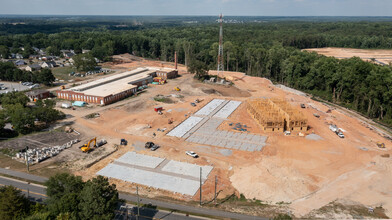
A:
297, 173
379, 56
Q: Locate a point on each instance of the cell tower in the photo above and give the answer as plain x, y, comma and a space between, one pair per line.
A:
220, 52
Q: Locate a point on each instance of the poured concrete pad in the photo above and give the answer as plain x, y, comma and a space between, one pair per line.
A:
226, 111
141, 160
187, 169
210, 107
152, 179
185, 126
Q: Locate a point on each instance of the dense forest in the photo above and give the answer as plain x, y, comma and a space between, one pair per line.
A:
269, 49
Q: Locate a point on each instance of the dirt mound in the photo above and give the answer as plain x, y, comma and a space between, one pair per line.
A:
209, 91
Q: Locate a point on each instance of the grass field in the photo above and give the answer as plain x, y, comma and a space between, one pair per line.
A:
63, 72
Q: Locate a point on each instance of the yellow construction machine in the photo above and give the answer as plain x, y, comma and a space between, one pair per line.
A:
380, 145
86, 148
177, 89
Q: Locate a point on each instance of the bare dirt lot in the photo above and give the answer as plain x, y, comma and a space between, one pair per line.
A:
47, 139
383, 56
306, 174
296, 173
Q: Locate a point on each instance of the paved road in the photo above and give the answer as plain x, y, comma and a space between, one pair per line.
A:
150, 213
22, 175
38, 193
32, 191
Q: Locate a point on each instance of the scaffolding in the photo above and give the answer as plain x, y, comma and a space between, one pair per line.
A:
276, 115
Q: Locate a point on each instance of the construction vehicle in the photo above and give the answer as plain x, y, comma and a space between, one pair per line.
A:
86, 148
177, 89
380, 145
170, 121
198, 100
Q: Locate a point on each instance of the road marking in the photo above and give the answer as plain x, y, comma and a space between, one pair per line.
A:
30, 192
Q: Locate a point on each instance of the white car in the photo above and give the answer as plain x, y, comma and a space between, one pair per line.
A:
341, 135
192, 154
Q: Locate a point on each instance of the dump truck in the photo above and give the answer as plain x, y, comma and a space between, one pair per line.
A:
86, 148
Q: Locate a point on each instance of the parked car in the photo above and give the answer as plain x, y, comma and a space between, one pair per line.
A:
149, 145
123, 142
193, 104
303, 106
34, 86
192, 154
341, 135
155, 147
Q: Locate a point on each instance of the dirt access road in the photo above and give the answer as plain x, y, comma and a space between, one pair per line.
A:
304, 173
383, 57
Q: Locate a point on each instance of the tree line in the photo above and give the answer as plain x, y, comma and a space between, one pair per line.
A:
69, 197
269, 49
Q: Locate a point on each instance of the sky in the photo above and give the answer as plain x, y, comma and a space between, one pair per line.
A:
200, 7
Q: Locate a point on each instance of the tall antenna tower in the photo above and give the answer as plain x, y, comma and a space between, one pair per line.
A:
220, 52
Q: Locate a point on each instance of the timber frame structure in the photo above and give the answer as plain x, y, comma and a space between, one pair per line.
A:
276, 115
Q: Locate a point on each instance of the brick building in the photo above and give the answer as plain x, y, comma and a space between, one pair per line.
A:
112, 88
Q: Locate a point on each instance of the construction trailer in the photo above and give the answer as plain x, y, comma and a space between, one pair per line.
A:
276, 115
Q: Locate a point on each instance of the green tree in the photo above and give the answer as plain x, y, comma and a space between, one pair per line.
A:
2, 119
21, 118
28, 50
13, 98
45, 76
198, 68
13, 205
4, 52
63, 192
98, 199
84, 62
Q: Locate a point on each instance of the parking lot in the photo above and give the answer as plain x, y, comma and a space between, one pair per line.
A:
12, 86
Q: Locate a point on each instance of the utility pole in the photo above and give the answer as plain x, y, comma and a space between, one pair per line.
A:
27, 163
126, 212
27, 159
220, 50
138, 202
216, 181
200, 185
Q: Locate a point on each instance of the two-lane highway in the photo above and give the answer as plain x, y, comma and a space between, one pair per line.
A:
33, 191
38, 193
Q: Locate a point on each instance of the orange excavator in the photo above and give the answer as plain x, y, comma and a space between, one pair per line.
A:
86, 148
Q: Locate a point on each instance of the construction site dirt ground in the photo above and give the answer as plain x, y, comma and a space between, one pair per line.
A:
384, 56
302, 173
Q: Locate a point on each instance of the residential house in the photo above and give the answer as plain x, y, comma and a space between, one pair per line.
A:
48, 64
42, 52
33, 67
69, 55
18, 56
20, 62
85, 51
34, 57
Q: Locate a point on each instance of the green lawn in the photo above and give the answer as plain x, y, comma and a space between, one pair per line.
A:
63, 72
